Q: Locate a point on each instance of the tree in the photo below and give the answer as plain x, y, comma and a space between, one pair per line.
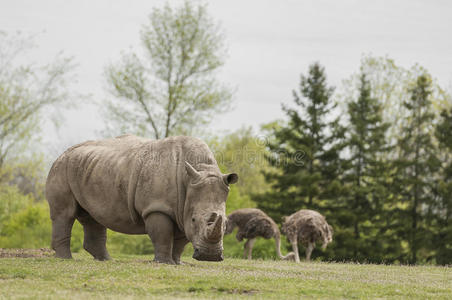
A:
171, 88
443, 205
390, 83
244, 153
393, 85
366, 175
417, 164
27, 174
305, 151
29, 95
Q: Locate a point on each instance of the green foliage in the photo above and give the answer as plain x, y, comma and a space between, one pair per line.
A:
172, 89
27, 228
11, 201
129, 244
27, 174
244, 153
231, 153
238, 200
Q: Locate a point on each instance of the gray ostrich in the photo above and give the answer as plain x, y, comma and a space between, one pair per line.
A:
253, 223
308, 227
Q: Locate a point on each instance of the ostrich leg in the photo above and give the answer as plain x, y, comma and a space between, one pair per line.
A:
309, 250
249, 248
294, 243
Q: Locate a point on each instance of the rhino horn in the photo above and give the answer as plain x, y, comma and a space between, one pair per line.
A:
192, 172
214, 232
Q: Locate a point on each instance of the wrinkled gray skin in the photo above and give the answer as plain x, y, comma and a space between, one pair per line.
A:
170, 189
307, 227
253, 223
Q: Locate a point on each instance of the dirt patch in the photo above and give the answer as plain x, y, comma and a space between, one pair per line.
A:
24, 253
236, 291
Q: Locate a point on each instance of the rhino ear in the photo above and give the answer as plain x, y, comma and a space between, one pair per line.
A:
192, 172
230, 178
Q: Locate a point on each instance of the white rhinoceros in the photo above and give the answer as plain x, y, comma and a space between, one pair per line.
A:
170, 189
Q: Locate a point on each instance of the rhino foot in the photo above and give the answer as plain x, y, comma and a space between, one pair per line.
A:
63, 256
102, 258
164, 261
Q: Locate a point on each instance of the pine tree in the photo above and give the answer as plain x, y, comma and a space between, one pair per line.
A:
443, 237
304, 151
416, 166
366, 173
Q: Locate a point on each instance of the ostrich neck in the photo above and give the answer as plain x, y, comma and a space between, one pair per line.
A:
278, 245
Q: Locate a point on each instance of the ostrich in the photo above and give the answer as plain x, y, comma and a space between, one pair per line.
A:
252, 223
308, 227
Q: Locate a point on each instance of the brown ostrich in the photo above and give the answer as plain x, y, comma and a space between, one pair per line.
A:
308, 227
253, 223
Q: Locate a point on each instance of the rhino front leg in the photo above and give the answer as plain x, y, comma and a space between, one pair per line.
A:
160, 228
178, 247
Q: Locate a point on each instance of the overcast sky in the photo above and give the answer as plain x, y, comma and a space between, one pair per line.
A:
270, 43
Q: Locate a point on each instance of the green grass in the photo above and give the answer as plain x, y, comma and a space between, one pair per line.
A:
137, 277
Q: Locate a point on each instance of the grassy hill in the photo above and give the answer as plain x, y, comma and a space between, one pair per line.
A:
137, 277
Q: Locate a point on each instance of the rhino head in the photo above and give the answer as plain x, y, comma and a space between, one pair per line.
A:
205, 211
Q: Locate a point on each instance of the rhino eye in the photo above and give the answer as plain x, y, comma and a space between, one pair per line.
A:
193, 219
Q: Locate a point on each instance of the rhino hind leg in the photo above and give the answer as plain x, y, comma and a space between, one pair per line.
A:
63, 209
61, 236
95, 236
